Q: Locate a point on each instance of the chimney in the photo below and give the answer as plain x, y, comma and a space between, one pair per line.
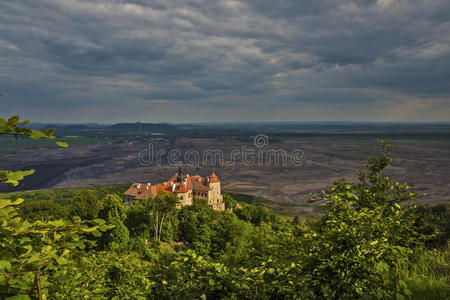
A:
138, 185
173, 187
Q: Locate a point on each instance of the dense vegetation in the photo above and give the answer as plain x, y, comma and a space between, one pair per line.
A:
372, 242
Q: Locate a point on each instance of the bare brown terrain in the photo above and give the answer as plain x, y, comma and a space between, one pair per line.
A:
424, 165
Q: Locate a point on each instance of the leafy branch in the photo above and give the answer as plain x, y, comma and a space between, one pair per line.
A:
14, 127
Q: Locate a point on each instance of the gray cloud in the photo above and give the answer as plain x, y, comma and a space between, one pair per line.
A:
77, 60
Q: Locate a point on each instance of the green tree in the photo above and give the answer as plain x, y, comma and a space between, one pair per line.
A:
194, 226
357, 248
112, 206
26, 249
119, 236
374, 187
138, 221
230, 203
85, 205
254, 214
43, 210
114, 211
162, 207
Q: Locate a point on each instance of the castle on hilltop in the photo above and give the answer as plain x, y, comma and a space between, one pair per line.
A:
187, 188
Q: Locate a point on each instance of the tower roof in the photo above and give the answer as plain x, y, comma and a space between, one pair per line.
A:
213, 178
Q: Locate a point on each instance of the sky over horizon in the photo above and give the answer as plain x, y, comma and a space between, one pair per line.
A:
206, 61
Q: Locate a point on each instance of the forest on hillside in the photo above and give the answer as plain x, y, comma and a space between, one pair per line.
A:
372, 242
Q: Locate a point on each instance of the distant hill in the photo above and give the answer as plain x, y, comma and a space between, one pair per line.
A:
76, 127
145, 127
69, 126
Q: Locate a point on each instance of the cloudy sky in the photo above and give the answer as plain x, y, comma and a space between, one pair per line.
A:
202, 60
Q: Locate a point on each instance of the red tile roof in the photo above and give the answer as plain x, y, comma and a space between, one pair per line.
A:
213, 178
187, 183
199, 183
140, 190
183, 186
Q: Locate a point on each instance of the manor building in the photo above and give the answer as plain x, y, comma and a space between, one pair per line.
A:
187, 188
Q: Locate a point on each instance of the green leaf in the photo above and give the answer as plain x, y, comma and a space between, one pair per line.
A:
34, 257
61, 260
90, 229
13, 177
62, 144
382, 267
5, 265
49, 131
97, 233
17, 202
13, 121
57, 223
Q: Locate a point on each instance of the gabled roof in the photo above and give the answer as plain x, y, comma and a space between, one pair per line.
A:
140, 190
199, 183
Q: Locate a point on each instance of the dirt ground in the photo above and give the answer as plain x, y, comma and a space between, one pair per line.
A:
425, 166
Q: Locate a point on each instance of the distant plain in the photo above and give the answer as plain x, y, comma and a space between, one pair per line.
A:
108, 154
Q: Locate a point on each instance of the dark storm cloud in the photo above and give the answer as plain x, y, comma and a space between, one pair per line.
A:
137, 56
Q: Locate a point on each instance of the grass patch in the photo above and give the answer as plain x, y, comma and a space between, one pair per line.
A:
428, 276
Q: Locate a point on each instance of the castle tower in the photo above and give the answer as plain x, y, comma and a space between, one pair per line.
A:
215, 198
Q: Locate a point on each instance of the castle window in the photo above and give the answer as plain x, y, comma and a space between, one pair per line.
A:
181, 197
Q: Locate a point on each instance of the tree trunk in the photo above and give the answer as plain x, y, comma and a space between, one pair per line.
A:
160, 226
156, 225
38, 282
